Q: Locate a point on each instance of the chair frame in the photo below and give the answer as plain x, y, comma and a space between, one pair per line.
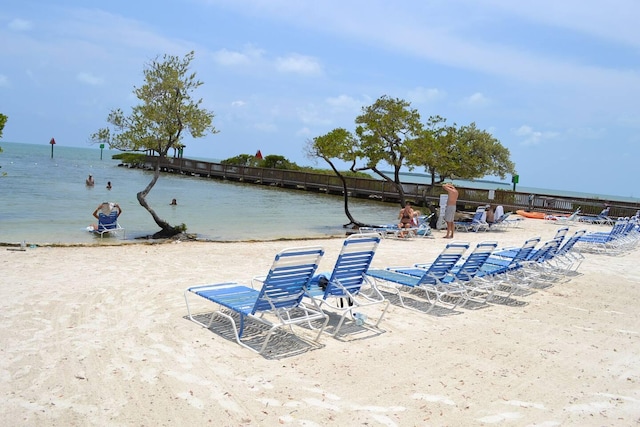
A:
344, 291
278, 302
112, 226
432, 283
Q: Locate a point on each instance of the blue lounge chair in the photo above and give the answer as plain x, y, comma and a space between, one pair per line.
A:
108, 224
511, 252
278, 303
495, 272
477, 223
501, 222
342, 289
534, 271
568, 258
433, 281
464, 274
421, 230
612, 242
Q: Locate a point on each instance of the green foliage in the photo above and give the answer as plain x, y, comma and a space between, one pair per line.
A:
337, 144
130, 158
390, 131
280, 162
348, 173
271, 161
166, 110
243, 160
384, 129
3, 121
465, 152
274, 161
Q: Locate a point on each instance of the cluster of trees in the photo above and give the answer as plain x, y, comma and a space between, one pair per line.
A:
391, 132
272, 161
275, 161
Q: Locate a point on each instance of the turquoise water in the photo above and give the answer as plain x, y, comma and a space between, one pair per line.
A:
45, 200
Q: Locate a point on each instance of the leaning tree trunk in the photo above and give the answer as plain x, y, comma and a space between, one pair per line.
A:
395, 182
345, 192
166, 229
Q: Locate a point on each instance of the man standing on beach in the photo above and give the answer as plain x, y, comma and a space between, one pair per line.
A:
450, 210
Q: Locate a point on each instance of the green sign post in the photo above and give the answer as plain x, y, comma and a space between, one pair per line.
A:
101, 148
514, 180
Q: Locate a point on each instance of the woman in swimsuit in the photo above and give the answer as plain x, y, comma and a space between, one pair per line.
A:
405, 216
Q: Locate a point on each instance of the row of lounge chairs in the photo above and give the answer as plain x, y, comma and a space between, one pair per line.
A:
576, 218
479, 222
294, 293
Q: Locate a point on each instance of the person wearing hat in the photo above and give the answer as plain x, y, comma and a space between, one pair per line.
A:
105, 208
89, 181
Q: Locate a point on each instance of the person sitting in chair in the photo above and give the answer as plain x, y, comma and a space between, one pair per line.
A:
105, 209
406, 217
491, 214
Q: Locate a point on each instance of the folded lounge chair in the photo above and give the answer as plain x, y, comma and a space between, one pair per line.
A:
342, 289
563, 220
278, 303
602, 218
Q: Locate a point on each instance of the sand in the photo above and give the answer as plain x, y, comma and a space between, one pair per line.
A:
97, 336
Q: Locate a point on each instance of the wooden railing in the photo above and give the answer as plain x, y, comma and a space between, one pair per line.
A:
375, 189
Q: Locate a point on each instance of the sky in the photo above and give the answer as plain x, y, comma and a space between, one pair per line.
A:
556, 82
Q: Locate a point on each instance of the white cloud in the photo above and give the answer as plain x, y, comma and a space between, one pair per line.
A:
345, 103
421, 95
90, 79
305, 131
20, 25
265, 127
299, 64
238, 104
530, 137
230, 58
4, 81
311, 115
476, 100
593, 17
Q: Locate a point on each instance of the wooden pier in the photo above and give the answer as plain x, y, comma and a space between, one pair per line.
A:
376, 189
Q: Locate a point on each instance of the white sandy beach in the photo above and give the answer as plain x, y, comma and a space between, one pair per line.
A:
97, 336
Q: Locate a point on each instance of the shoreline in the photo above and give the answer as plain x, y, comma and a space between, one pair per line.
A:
97, 335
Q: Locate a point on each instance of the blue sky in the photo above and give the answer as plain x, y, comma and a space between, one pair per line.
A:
556, 82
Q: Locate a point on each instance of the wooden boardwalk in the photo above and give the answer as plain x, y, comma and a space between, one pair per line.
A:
376, 189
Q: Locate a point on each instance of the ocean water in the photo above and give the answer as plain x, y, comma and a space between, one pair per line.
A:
45, 200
